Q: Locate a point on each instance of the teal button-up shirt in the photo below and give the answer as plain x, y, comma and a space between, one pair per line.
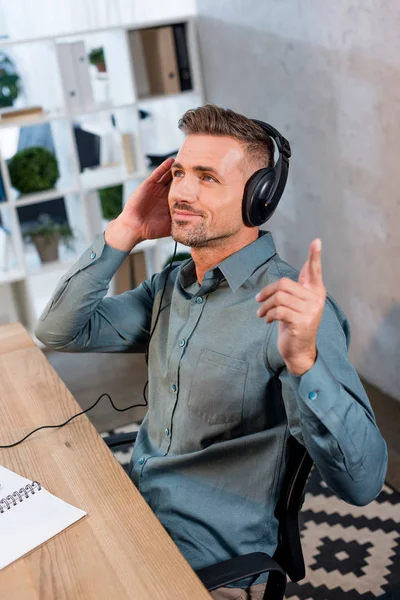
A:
211, 452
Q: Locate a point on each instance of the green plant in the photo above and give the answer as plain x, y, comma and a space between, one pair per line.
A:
9, 82
96, 56
179, 256
111, 201
33, 170
46, 227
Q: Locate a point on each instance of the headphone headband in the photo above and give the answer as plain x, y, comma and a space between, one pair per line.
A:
281, 142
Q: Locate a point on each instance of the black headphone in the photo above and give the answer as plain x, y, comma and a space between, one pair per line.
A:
265, 187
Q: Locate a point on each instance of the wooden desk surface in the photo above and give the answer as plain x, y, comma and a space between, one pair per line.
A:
120, 550
13, 337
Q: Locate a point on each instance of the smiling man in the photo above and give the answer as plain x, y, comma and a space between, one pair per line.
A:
245, 351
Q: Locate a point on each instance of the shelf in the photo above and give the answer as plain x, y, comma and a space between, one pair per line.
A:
136, 25
11, 275
31, 120
145, 245
103, 179
159, 97
112, 135
54, 116
26, 199
57, 266
100, 109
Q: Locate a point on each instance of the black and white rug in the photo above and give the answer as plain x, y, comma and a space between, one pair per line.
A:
350, 552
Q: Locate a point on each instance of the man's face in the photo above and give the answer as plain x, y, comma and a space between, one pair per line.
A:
205, 198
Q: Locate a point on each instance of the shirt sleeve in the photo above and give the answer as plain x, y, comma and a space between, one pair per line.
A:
329, 412
78, 317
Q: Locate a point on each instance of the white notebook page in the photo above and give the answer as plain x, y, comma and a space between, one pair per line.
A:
31, 522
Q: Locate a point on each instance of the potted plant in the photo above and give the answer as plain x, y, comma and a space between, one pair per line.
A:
111, 201
10, 83
96, 58
46, 234
34, 169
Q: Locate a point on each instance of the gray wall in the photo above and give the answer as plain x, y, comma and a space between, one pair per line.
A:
327, 75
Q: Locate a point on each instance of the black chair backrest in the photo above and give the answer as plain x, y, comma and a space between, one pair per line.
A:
289, 553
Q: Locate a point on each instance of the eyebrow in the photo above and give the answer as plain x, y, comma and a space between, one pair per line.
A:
200, 168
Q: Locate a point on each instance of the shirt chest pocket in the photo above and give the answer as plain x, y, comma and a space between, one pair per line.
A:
217, 389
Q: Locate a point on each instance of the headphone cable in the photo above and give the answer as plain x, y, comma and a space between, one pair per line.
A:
105, 393
73, 417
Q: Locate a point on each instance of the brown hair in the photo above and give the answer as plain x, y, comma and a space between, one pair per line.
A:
214, 120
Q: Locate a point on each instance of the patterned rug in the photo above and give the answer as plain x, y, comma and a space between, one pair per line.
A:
350, 552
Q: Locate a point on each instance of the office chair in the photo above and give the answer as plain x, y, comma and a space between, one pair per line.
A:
288, 558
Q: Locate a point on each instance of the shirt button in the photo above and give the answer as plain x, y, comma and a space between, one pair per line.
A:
93, 255
173, 387
313, 395
166, 431
199, 300
182, 343
141, 460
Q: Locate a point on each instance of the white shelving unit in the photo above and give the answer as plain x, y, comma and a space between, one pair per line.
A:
113, 111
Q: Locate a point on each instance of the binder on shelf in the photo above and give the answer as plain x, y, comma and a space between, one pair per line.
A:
182, 56
81, 62
74, 67
160, 59
138, 63
128, 152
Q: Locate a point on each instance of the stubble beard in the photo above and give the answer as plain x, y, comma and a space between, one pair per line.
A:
197, 237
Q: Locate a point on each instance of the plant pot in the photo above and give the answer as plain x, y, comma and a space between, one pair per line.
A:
46, 247
101, 67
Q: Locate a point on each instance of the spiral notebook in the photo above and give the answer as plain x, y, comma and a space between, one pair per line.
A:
29, 516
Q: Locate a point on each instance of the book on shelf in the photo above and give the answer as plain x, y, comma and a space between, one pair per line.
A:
128, 152
182, 56
138, 63
75, 75
161, 60
160, 56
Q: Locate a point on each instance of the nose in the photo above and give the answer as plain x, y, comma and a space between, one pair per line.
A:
184, 190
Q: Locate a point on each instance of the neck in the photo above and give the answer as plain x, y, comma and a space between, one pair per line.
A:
217, 250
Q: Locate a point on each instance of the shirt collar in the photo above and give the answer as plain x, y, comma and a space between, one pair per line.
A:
238, 267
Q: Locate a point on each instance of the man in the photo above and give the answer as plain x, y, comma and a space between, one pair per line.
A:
245, 352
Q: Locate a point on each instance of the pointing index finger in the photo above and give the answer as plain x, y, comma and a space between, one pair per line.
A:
315, 265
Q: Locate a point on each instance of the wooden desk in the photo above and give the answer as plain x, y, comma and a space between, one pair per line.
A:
13, 337
120, 550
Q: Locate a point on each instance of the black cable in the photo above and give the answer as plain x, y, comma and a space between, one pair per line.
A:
105, 394
73, 417
158, 315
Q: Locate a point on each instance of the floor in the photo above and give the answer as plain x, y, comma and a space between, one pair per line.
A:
124, 376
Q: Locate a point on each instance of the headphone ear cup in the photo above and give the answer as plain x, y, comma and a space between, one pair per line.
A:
257, 195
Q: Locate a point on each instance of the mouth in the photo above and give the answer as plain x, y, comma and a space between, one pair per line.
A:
183, 216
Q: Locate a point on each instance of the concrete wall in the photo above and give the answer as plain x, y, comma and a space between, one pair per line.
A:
327, 75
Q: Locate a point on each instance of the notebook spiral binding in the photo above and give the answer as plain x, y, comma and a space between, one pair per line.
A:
19, 496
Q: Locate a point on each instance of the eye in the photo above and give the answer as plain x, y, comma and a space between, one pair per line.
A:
209, 178
177, 173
